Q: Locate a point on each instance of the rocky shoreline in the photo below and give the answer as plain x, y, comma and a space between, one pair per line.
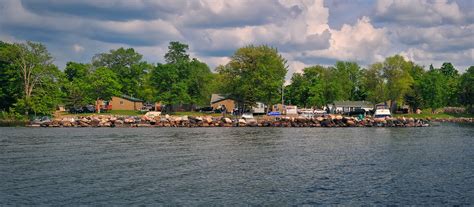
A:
209, 121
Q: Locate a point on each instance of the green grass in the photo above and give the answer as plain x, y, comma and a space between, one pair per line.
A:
425, 115
138, 113
194, 113
112, 112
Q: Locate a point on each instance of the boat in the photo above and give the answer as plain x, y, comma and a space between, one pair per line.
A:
382, 113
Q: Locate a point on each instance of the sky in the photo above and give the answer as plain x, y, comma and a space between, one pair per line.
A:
305, 32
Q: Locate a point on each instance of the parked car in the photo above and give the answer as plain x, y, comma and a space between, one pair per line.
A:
88, 109
356, 112
148, 107
76, 110
208, 110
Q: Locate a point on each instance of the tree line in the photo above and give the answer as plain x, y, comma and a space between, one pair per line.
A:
31, 83
395, 80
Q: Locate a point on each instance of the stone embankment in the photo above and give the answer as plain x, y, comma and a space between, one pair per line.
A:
453, 120
208, 121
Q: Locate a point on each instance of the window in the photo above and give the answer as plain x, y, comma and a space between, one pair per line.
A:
121, 102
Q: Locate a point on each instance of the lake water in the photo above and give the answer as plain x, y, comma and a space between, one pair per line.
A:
237, 166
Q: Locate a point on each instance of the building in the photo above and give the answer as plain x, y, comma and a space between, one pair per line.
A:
125, 102
220, 101
348, 106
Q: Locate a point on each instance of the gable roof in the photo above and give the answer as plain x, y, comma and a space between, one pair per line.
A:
131, 98
362, 104
217, 97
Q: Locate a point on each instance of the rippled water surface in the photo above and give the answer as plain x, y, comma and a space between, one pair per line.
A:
237, 166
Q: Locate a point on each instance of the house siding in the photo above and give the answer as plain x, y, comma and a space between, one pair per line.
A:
228, 103
124, 104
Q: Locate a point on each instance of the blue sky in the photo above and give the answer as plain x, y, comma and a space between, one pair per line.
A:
306, 32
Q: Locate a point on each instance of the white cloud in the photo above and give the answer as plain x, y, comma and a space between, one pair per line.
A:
419, 12
361, 42
461, 60
77, 48
215, 29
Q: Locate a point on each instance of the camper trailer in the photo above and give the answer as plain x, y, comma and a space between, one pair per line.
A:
259, 108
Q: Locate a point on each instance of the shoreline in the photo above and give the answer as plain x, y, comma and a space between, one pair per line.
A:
209, 121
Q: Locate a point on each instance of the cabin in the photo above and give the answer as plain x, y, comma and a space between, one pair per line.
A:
125, 102
219, 101
348, 106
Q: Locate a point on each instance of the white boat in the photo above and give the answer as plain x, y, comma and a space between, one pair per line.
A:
306, 113
382, 113
247, 116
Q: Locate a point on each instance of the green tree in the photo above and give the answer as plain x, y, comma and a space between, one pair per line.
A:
452, 81
128, 67
348, 77
10, 87
466, 89
321, 91
433, 89
297, 92
414, 96
75, 70
398, 79
177, 53
104, 84
169, 88
33, 64
255, 73
198, 82
448, 70
181, 80
374, 83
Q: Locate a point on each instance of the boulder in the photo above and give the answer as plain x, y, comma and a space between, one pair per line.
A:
129, 120
350, 123
208, 120
95, 122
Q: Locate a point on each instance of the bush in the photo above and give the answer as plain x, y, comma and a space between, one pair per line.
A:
11, 118
11, 115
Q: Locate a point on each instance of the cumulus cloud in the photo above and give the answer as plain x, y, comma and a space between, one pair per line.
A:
361, 42
419, 12
306, 32
463, 59
438, 39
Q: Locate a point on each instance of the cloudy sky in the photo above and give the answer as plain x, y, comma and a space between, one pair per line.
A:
306, 32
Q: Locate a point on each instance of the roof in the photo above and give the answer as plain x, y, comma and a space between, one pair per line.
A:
217, 97
362, 104
131, 98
